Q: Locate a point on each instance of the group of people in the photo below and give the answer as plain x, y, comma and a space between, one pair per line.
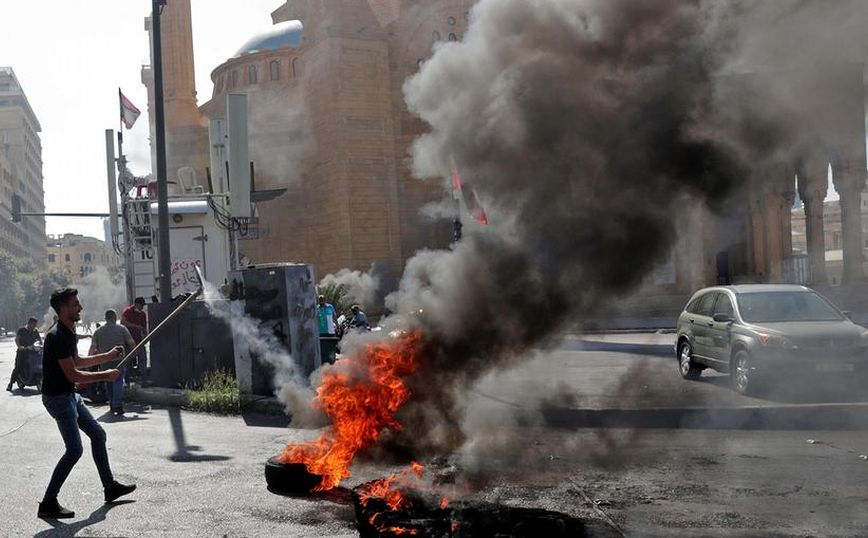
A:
327, 318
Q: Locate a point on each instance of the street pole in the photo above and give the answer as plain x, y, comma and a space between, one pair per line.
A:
164, 266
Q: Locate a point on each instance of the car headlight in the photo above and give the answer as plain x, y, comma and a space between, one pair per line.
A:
773, 340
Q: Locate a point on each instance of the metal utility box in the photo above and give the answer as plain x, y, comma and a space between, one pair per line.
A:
190, 346
283, 298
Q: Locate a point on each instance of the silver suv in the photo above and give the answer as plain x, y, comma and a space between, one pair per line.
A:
750, 330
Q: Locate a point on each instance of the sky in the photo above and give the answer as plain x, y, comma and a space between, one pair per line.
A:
71, 58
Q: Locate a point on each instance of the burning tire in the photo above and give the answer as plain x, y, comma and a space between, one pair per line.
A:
290, 478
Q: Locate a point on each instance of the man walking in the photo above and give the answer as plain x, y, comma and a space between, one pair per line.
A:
106, 338
62, 368
24, 340
135, 319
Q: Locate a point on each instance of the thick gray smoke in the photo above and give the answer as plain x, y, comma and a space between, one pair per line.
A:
582, 124
361, 287
293, 391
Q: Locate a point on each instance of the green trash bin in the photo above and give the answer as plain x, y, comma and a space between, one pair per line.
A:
328, 348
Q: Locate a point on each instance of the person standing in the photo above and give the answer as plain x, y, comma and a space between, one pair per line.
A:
106, 338
24, 340
326, 314
135, 319
62, 368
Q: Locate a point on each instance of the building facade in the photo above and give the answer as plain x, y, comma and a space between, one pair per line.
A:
78, 256
20, 171
327, 122
833, 239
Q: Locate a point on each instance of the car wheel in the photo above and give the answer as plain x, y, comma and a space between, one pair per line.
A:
743, 377
686, 366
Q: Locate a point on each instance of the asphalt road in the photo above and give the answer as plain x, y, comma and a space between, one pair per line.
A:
529, 445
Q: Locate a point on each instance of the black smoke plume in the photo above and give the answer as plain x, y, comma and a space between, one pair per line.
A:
583, 125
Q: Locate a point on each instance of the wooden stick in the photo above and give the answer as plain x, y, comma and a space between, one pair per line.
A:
162, 324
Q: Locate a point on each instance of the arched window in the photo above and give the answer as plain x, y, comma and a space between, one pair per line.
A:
451, 21
453, 37
435, 37
274, 68
251, 74
67, 257
87, 257
233, 79
295, 68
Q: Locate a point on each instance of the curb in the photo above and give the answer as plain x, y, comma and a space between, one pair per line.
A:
166, 397
789, 417
664, 350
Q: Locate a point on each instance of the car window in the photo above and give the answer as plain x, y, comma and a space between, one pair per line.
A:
786, 306
723, 305
705, 304
694, 304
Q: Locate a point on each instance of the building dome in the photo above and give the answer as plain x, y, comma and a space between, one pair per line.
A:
282, 34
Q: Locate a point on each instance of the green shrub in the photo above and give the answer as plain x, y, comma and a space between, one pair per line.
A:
217, 394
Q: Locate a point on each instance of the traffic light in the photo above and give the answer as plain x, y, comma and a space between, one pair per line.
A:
16, 208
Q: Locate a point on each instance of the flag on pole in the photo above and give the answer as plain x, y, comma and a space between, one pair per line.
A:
470, 198
129, 112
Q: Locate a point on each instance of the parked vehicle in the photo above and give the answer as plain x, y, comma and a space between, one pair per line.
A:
30, 369
752, 331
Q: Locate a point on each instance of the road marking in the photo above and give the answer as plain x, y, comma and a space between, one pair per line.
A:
16, 428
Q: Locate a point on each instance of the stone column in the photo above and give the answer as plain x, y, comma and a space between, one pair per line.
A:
759, 237
812, 190
779, 195
849, 183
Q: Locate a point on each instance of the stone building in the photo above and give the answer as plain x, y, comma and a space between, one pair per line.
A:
833, 237
20, 171
327, 122
77, 256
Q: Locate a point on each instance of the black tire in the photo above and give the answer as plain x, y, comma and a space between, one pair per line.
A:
290, 478
743, 377
686, 365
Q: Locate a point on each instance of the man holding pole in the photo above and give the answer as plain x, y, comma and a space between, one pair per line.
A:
62, 369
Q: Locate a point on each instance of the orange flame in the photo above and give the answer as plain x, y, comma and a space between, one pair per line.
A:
361, 395
388, 490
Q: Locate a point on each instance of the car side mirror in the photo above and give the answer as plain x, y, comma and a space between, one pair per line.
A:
847, 314
722, 318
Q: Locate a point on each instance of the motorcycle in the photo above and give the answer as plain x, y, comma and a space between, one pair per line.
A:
29, 371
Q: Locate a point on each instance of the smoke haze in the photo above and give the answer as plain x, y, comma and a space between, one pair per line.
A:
361, 287
582, 124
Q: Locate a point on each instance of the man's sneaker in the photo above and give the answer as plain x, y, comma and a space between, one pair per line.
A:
117, 490
118, 410
9, 387
52, 510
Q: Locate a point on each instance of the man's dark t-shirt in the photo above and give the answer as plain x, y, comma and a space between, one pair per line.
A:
26, 337
60, 343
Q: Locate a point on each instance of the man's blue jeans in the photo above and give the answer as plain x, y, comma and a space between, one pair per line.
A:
115, 390
71, 415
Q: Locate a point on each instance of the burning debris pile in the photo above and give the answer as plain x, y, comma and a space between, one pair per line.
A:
414, 515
